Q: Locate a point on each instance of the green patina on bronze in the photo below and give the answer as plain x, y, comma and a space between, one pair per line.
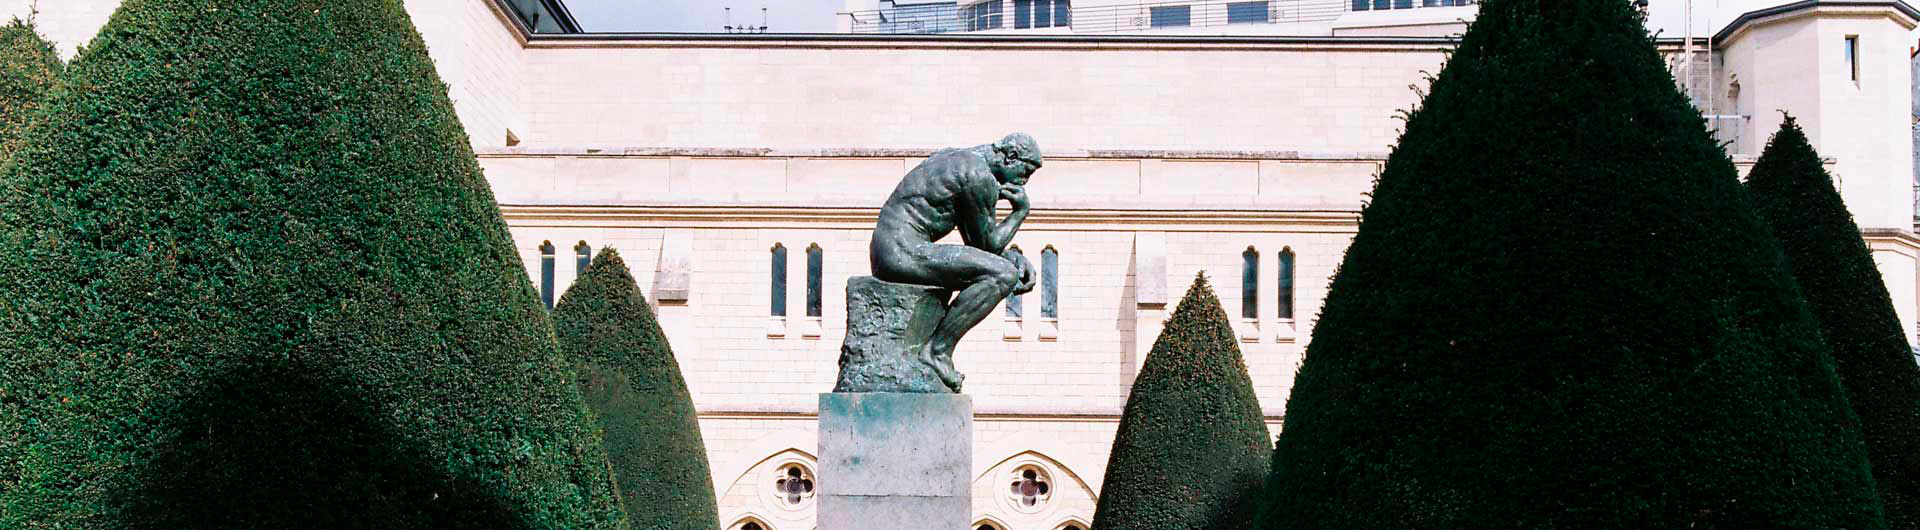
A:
954, 190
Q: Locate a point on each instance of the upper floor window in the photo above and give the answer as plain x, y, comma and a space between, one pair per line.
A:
779, 274
582, 256
546, 273
1250, 284
1050, 283
1016, 304
816, 260
1171, 16
1853, 58
1041, 13
982, 16
1248, 12
1286, 283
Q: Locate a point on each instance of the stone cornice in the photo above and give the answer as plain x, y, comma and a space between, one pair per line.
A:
989, 413
756, 216
989, 41
922, 152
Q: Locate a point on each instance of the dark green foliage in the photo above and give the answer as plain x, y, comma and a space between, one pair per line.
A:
630, 378
1192, 446
255, 280
1561, 311
1830, 261
28, 65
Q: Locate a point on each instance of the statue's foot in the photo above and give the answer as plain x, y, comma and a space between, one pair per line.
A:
943, 367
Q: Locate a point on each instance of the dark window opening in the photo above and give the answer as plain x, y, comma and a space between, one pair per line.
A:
779, 270
546, 273
1050, 283
1016, 305
1250, 284
1286, 283
815, 262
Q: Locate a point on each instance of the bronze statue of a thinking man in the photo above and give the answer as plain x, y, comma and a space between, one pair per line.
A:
959, 189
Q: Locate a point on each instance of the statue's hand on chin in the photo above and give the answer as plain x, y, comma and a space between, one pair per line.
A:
1014, 193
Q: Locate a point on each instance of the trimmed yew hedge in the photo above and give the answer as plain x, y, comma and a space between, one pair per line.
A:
28, 66
1561, 311
1795, 195
631, 380
255, 280
1192, 448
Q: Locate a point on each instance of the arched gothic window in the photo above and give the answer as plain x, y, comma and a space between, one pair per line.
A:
1286, 283
779, 270
1050, 283
815, 262
1016, 305
546, 273
1250, 284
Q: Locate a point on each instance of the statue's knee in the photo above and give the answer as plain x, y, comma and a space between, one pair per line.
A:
1006, 279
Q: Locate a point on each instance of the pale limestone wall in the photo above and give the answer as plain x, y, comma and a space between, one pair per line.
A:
1070, 452
481, 58
805, 94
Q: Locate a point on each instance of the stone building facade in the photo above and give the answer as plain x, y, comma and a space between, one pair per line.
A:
740, 176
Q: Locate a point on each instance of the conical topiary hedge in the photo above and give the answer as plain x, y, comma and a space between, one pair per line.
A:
1830, 261
28, 65
255, 280
1192, 447
1560, 311
631, 380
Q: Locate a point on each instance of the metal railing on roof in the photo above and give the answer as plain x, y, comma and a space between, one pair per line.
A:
950, 17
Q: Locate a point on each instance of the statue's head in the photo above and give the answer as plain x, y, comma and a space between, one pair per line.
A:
1019, 158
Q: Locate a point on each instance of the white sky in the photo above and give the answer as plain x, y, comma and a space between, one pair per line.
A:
817, 16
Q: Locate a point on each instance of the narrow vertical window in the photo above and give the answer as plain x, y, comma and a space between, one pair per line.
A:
583, 256
779, 270
1250, 284
1062, 13
1286, 283
546, 273
1050, 283
1853, 58
1016, 305
815, 262
1022, 14
1043, 13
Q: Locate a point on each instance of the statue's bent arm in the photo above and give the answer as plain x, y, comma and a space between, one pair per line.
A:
976, 221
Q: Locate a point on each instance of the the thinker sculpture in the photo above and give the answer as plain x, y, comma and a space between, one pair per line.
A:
901, 327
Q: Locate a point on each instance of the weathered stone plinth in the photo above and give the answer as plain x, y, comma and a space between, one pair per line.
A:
888, 325
895, 461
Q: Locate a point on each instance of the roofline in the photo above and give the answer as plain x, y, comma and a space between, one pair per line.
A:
559, 8
1752, 16
567, 22
589, 38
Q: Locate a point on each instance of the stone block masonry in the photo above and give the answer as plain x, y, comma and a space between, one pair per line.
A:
895, 461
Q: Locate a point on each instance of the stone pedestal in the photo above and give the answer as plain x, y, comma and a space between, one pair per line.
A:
895, 461
888, 325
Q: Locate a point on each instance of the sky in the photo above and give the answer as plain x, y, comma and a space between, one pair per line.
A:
818, 16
